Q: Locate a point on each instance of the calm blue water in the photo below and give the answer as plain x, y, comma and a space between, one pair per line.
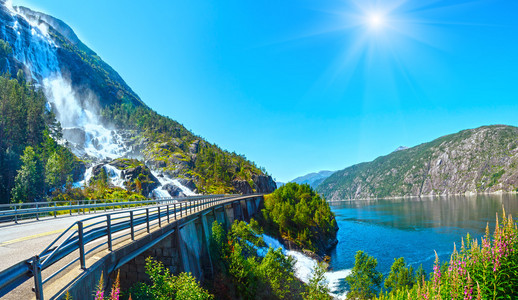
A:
412, 228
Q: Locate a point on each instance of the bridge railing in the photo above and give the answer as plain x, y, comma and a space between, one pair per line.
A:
90, 234
17, 211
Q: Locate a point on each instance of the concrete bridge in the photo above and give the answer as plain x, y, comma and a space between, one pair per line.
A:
176, 233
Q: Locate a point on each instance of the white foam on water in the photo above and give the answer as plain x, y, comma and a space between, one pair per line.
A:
86, 179
164, 180
304, 266
79, 113
114, 176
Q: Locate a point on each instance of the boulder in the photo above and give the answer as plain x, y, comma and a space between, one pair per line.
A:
79, 171
173, 190
264, 184
189, 183
242, 187
147, 180
96, 170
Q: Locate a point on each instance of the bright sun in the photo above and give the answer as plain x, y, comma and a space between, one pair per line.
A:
375, 20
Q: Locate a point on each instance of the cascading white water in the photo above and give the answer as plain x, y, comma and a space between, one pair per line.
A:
159, 192
33, 46
81, 126
114, 176
77, 112
304, 267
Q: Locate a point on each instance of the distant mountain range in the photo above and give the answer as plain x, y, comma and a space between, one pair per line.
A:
481, 160
313, 179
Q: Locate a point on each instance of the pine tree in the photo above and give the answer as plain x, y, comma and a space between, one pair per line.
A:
28, 184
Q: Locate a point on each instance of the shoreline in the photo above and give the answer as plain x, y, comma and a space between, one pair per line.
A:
467, 194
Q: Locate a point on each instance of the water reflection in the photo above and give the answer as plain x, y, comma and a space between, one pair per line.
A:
416, 213
413, 228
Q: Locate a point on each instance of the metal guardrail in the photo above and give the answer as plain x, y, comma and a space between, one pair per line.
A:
112, 226
16, 211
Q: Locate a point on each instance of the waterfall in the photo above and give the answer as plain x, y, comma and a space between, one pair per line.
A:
304, 266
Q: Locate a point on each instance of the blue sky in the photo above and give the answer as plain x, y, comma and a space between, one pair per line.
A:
300, 85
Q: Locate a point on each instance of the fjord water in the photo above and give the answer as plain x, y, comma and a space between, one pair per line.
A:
413, 228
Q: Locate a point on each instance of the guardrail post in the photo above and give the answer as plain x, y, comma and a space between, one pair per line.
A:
174, 210
16, 214
37, 215
159, 221
180, 210
147, 219
167, 213
70, 205
36, 272
55, 207
81, 245
131, 225
109, 231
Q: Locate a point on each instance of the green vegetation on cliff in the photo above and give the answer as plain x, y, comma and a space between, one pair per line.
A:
176, 151
296, 213
484, 159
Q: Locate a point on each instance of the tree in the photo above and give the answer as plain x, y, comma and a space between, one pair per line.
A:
420, 274
317, 288
364, 280
277, 270
400, 276
28, 182
53, 171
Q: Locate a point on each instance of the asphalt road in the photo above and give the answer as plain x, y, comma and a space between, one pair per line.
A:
23, 240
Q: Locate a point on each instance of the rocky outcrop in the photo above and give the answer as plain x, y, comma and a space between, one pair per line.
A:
130, 171
188, 183
173, 190
79, 171
264, 184
242, 187
148, 182
481, 160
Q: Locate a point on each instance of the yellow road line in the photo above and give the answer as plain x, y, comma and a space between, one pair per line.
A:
25, 238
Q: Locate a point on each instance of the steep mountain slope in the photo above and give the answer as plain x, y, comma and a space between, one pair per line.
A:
313, 179
477, 160
101, 119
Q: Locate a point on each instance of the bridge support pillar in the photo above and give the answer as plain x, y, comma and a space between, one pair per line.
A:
134, 271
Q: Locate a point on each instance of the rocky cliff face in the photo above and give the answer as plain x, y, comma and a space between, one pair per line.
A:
478, 160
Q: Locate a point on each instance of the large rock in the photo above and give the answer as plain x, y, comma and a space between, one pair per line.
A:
141, 172
173, 190
242, 187
264, 184
188, 183
96, 170
79, 171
